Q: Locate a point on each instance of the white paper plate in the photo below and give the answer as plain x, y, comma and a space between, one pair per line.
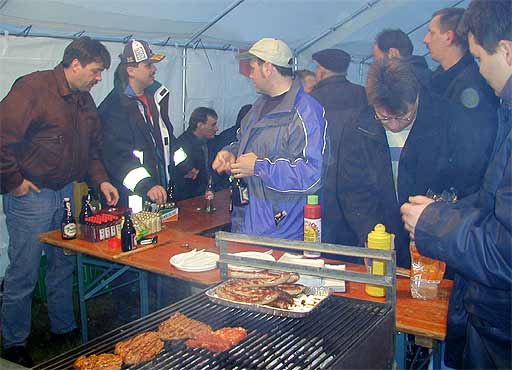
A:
195, 262
258, 255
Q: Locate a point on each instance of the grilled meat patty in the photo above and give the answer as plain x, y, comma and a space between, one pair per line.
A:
218, 341
179, 326
105, 361
144, 347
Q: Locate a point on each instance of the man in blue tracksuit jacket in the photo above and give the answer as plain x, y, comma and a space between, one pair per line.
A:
474, 235
279, 148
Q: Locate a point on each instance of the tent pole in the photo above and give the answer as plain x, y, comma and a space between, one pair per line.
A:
356, 14
215, 20
184, 87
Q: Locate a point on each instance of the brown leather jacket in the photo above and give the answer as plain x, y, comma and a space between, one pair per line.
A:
49, 134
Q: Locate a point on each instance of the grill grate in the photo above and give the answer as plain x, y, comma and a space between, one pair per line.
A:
321, 340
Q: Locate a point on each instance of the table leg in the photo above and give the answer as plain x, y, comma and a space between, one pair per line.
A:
401, 349
81, 297
143, 286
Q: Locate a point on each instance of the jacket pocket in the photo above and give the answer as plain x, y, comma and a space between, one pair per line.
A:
44, 155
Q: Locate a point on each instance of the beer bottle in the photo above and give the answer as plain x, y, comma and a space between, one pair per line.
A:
68, 223
128, 233
239, 192
86, 210
208, 197
171, 192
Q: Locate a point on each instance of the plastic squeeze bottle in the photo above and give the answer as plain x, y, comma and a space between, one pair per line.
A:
377, 239
312, 223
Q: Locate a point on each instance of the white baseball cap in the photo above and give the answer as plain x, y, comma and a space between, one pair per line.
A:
270, 50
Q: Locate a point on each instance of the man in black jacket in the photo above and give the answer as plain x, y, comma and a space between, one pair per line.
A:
338, 96
457, 78
333, 90
408, 142
194, 173
137, 129
395, 43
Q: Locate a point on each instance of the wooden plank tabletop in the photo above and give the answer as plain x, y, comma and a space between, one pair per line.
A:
413, 316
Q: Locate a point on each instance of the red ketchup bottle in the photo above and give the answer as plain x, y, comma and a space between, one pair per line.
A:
312, 224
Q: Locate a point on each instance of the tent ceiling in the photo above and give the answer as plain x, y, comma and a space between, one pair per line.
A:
175, 21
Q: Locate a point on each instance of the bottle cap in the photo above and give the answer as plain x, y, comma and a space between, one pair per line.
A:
313, 199
66, 199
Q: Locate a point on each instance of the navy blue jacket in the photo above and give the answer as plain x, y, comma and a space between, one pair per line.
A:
443, 150
126, 130
474, 237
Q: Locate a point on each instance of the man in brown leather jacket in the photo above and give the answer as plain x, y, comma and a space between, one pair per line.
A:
49, 137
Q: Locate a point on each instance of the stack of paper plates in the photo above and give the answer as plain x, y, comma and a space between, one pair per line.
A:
258, 255
195, 261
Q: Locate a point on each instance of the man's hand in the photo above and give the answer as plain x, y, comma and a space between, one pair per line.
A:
223, 161
24, 188
412, 211
157, 194
244, 165
110, 193
192, 174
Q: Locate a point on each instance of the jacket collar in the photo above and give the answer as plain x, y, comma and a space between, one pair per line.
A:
331, 80
62, 82
422, 126
506, 94
286, 105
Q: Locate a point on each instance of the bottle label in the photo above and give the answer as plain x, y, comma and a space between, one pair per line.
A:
209, 195
69, 230
312, 230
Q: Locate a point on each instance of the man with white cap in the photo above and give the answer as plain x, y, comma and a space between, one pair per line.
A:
279, 147
137, 129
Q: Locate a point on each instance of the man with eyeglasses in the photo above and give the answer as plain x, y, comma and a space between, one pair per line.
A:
407, 142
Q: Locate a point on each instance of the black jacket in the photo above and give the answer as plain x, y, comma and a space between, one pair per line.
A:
338, 93
463, 84
126, 131
421, 70
443, 150
198, 158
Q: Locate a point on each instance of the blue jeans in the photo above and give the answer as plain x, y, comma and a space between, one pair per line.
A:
27, 217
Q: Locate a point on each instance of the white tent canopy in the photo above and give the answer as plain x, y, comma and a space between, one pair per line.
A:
200, 39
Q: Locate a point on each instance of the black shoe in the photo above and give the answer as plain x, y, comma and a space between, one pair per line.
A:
72, 337
18, 355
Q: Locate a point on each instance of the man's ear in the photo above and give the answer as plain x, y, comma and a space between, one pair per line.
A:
75, 65
450, 36
393, 53
506, 48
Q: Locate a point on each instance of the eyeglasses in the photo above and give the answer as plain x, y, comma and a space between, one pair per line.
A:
404, 119
400, 119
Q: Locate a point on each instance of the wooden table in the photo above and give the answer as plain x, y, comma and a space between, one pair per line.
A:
425, 319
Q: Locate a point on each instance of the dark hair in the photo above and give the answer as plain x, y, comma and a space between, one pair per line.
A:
121, 78
392, 85
200, 114
302, 73
450, 20
283, 71
489, 22
397, 39
86, 50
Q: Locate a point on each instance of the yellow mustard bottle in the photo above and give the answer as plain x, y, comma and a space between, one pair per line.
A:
377, 239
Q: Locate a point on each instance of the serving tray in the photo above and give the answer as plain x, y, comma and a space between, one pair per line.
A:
294, 311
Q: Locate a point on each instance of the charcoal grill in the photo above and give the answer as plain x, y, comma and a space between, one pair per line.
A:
342, 333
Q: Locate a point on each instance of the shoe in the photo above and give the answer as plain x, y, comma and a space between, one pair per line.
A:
18, 355
71, 337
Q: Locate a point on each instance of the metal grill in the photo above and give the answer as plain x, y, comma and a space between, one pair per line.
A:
341, 333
